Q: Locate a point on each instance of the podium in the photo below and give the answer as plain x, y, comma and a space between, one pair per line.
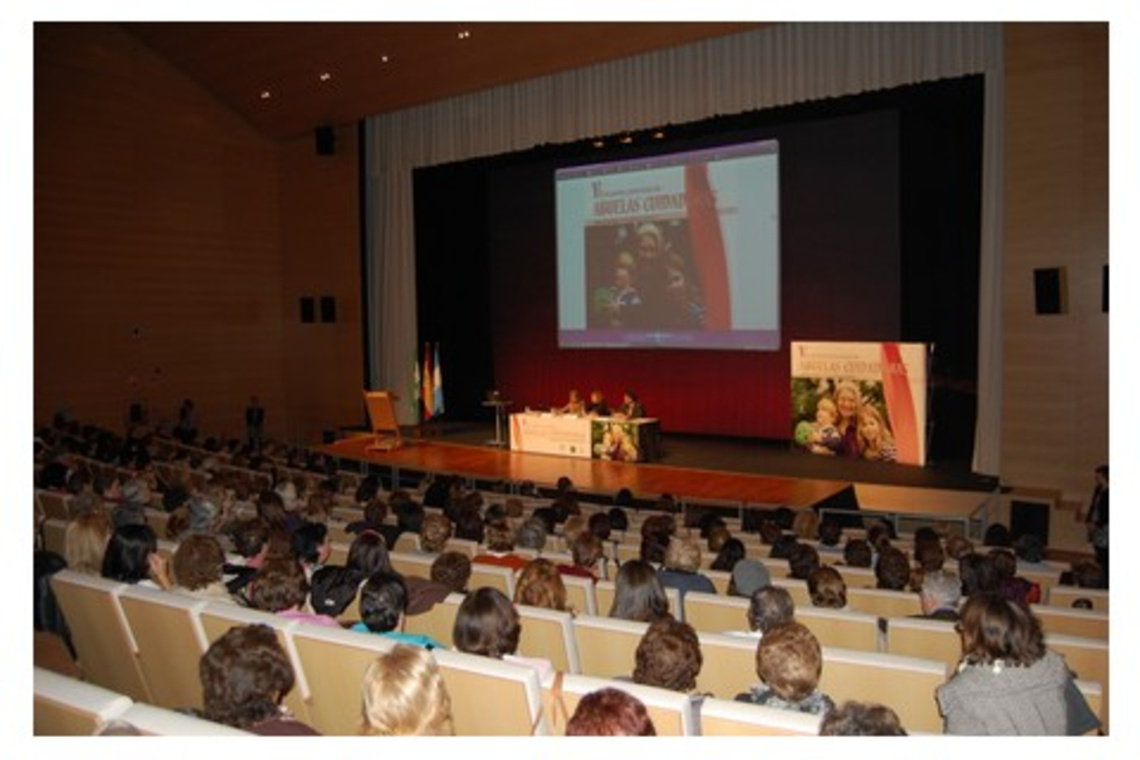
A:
382, 416
498, 405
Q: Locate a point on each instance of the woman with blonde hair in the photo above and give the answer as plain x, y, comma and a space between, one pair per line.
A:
540, 585
85, 542
403, 694
875, 439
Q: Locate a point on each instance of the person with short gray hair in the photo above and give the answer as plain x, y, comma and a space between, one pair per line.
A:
941, 592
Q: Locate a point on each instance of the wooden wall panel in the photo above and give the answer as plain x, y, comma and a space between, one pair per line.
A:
1055, 406
157, 266
323, 371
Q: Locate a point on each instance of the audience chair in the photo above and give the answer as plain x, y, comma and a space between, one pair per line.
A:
408, 563
158, 721
170, 642
727, 717
490, 697
607, 647
926, 639
104, 646
218, 617
1071, 622
438, 622
1088, 659
549, 634
883, 602
69, 707
495, 576
905, 684
580, 594
1064, 596
672, 712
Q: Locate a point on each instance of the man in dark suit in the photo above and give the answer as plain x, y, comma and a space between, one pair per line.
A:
254, 423
1096, 521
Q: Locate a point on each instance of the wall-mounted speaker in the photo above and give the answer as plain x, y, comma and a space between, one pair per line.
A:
308, 310
325, 141
1049, 290
1104, 289
328, 308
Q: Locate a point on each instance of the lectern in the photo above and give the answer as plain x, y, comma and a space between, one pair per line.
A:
382, 415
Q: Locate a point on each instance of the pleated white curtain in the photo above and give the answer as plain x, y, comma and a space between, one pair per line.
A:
774, 66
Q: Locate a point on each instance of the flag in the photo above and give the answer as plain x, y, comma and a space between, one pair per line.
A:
437, 385
426, 379
414, 396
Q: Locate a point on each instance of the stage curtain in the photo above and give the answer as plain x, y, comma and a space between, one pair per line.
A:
774, 66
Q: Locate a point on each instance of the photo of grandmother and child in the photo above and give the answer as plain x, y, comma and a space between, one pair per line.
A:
842, 417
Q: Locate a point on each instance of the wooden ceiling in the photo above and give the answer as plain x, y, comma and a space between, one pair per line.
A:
378, 67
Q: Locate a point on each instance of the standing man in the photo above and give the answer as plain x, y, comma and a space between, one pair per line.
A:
254, 424
1096, 521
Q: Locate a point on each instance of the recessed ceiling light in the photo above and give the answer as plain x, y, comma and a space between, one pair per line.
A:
658, 135
626, 140
383, 59
463, 35
325, 76
266, 95
599, 143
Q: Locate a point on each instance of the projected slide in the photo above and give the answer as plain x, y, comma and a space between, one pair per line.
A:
673, 251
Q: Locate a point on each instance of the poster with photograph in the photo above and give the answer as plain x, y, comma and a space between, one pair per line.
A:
864, 400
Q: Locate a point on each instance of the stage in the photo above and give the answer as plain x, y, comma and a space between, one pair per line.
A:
691, 468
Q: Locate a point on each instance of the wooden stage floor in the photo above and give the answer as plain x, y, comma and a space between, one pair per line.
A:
691, 470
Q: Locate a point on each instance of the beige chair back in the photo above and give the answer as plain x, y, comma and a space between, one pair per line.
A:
104, 647
671, 712
492, 698
926, 639
549, 635
905, 684
65, 706
1064, 596
607, 647
884, 603
170, 642
726, 717
438, 622
1070, 622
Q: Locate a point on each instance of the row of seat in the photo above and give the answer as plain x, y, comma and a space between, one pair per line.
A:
144, 645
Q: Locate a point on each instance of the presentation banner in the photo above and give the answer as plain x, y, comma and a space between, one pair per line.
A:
864, 400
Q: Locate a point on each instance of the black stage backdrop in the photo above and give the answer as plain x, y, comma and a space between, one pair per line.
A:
880, 220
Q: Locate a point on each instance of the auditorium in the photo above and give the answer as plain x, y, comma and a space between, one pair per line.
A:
822, 285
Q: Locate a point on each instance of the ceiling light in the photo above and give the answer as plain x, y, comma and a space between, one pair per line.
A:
383, 59
599, 143
266, 95
463, 35
325, 76
626, 139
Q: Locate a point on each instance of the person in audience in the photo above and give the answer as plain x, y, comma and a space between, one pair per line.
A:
977, 573
892, 572
574, 404
85, 542
435, 534
198, 564
599, 524
619, 521
829, 533
453, 570
861, 719
1030, 551
383, 610
500, 545
245, 675
748, 575
610, 712
857, 553
1011, 585
731, 552
586, 552
132, 557
368, 553
1008, 682
487, 624
531, 535
1084, 574
1082, 603
997, 534
638, 593
333, 588
682, 568
668, 656
802, 561
768, 607
280, 587
250, 539
940, 594
540, 585
311, 546
374, 513
717, 537
783, 546
827, 588
403, 694
789, 662
957, 546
